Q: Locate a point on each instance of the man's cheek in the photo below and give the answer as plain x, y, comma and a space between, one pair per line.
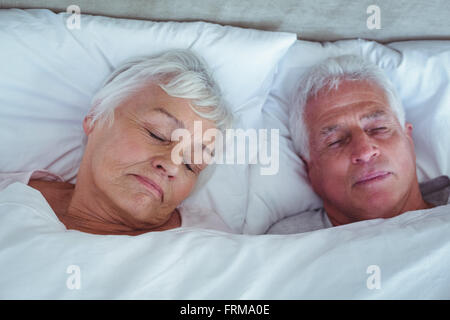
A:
405, 159
322, 180
314, 178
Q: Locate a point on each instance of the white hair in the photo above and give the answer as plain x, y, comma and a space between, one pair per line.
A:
180, 73
328, 75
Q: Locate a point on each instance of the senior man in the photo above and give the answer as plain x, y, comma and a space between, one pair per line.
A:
128, 183
349, 127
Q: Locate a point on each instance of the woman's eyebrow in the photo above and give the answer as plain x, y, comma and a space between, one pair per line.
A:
179, 123
210, 152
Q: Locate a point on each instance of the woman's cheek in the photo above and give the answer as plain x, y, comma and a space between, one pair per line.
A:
183, 188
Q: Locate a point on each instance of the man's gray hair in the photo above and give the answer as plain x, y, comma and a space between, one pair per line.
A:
180, 73
327, 75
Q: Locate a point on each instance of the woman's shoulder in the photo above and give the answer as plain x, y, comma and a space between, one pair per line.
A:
7, 178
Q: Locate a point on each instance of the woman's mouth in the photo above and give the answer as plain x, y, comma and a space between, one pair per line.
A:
151, 186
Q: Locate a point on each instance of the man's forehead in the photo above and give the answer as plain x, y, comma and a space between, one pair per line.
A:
333, 123
350, 97
348, 92
362, 111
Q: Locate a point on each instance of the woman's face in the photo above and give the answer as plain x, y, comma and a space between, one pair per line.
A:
130, 163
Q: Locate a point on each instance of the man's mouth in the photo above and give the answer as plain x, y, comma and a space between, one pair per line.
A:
151, 186
372, 178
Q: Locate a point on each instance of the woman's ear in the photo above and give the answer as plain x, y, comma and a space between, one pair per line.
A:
408, 129
87, 125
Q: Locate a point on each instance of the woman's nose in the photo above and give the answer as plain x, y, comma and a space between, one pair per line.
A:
165, 166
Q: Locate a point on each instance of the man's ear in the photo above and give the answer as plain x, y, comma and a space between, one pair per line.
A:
305, 163
87, 125
408, 131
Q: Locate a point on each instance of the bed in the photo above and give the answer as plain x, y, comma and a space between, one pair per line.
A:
53, 61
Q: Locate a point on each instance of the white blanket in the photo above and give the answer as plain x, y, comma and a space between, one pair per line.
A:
406, 257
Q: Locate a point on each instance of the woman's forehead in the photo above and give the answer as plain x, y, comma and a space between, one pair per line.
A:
152, 103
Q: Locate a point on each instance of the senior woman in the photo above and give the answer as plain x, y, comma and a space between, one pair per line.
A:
127, 182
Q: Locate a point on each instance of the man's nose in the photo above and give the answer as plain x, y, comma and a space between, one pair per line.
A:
364, 149
165, 166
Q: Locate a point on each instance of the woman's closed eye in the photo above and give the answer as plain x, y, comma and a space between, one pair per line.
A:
192, 167
156, 136
189, 167
378, 130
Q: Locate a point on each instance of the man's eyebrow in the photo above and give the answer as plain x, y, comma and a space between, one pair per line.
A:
328, 129
368, 116
374, 115
178, 122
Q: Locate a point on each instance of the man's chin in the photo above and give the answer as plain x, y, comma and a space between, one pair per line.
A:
377, 196
377, 208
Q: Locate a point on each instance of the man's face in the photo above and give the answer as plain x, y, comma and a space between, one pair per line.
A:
130, 163
362, 161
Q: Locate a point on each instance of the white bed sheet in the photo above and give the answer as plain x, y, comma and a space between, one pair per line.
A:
410, 255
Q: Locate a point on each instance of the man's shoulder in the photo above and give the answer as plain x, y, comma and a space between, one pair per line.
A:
305, 221
436, 191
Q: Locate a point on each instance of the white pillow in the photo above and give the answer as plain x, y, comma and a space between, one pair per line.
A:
420, 70
50, 73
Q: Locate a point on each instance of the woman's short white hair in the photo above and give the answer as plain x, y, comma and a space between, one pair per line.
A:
180, 73
327, 75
